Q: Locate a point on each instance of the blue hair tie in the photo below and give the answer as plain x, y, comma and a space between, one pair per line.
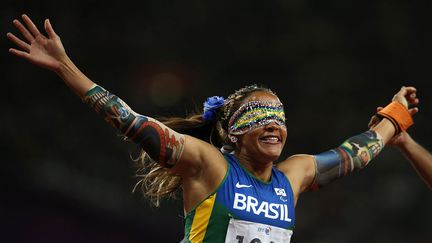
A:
210, 107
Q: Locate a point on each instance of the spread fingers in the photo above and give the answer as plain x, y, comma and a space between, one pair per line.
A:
23, 45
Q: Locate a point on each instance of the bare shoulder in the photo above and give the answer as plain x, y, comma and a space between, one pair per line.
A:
296, 162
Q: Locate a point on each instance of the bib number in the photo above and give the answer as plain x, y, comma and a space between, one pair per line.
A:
240, 239
241, 231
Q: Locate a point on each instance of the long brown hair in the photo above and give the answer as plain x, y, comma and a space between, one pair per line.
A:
157, 182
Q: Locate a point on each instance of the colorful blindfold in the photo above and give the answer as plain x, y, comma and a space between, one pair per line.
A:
255, 114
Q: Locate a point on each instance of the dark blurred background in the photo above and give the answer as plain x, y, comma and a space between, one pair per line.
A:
67, 176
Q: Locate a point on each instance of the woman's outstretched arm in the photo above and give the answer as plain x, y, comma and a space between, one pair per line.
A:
356, 152
309, 171
163, 144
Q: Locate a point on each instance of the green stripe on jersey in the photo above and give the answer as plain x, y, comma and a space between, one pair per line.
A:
218, 224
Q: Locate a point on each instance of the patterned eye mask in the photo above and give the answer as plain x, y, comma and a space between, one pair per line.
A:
255, 114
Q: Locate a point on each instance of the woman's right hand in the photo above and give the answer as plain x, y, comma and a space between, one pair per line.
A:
45, 52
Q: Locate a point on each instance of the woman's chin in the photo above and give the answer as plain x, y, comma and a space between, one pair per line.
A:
272, 155
271, 150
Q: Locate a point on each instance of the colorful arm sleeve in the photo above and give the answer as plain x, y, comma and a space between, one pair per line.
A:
163, 145
354, 154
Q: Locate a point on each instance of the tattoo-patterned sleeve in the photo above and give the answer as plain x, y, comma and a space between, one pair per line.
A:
354, 154
163, 144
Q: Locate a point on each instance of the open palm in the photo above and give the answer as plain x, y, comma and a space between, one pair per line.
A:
46, 52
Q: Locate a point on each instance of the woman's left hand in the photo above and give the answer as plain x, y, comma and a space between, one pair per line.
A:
407, 96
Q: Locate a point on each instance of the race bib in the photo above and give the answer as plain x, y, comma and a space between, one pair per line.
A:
240, 231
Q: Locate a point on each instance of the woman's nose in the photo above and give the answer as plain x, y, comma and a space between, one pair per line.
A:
272, 126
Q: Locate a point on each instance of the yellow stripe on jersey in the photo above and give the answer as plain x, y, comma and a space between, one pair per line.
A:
201, 219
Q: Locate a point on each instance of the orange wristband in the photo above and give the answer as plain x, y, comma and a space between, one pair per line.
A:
398, 115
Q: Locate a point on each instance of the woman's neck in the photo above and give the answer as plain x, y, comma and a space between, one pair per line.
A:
260, 169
